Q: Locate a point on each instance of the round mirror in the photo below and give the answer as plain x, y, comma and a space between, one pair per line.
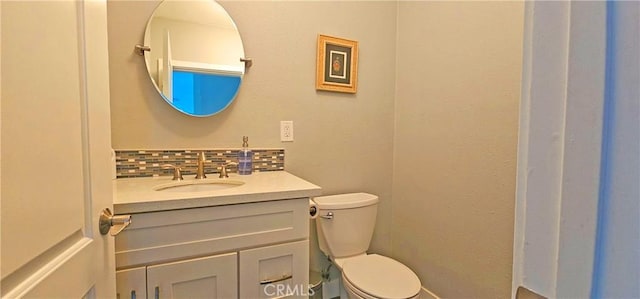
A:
194, 61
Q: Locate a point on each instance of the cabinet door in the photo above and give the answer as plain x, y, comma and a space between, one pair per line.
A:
275, 271
131, 283
207, 277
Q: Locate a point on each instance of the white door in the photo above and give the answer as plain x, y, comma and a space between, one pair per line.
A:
55, 150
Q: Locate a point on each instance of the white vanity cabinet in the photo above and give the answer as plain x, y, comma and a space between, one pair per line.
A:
230, 251
206, 277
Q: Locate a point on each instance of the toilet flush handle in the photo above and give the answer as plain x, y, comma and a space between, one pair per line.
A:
328, 216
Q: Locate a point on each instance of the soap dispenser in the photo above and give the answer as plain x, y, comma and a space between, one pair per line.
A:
245, 158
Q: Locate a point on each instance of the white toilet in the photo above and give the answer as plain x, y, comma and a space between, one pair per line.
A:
345, 226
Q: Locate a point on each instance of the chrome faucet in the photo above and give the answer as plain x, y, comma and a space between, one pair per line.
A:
201, 160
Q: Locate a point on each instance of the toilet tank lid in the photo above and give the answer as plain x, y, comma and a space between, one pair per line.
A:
345, 201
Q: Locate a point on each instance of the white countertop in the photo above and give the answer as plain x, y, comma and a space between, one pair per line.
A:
137, 195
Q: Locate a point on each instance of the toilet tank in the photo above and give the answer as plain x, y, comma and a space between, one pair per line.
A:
348, 232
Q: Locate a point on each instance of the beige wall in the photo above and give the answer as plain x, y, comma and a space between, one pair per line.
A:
455, 142
343, 142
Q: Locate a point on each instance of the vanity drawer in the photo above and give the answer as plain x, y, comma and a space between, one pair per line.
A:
272, 271
170, 235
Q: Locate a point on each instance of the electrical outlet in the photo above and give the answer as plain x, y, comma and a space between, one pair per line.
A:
286, 130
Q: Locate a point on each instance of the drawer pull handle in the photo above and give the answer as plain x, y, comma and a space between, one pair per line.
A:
270, 281
133, 294
157, 293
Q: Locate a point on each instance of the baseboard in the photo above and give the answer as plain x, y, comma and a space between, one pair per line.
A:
426, 294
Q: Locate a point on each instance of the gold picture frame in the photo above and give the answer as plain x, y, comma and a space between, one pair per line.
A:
337, 64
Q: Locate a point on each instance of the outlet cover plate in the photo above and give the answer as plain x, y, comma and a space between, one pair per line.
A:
286, 131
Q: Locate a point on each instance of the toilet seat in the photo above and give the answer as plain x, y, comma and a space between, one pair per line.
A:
354, 292
378, 276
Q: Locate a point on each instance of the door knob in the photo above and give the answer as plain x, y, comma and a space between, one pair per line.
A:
112, 224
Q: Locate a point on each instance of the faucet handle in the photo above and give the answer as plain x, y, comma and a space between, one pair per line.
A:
223, 171
177, 171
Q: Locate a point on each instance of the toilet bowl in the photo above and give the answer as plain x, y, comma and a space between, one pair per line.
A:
345, 227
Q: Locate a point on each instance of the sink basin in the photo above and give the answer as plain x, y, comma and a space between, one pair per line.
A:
198, 186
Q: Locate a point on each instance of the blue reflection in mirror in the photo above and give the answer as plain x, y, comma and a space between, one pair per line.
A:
203, 94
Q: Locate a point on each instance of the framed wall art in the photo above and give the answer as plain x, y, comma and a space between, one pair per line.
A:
337, 64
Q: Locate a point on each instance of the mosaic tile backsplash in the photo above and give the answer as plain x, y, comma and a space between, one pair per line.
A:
148, 163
